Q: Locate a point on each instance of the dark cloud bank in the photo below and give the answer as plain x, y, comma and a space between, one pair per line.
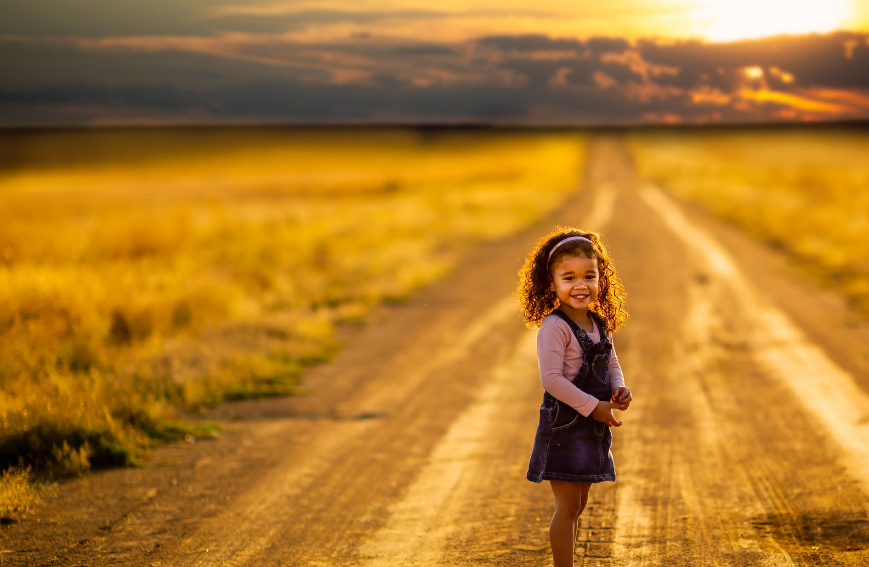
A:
524, 79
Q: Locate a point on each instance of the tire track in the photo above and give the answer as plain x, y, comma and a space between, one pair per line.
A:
421, 524
442, 505
364, 470
709, 454
246, 532
784, 351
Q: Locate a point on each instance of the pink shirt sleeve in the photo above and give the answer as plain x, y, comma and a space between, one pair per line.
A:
559, 358
616, 377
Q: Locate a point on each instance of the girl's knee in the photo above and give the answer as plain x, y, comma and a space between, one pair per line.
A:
581, 507
570, 499
569, 508
571, 511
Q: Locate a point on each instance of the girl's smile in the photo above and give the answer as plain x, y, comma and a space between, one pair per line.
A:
575, 283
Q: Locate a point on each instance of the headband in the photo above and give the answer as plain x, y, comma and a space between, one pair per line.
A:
568, 239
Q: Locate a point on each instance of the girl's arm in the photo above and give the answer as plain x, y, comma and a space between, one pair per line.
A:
615, 370
621, 393
552, 343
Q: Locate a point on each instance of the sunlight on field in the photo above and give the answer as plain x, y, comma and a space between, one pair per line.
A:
143, 271
804, 191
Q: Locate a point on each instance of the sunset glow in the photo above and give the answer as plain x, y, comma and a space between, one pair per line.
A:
729, 20
399, 61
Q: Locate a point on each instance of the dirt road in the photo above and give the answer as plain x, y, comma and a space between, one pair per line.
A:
747, 443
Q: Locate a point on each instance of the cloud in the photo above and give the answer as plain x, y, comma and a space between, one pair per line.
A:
600, 45
424, 50
529, 43
524, 78
291, 101
111, 18
838, 60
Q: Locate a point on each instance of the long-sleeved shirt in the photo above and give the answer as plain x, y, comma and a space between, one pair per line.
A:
559, 357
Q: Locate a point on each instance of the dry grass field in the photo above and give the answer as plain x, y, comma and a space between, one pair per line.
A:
800, 190
143, 272
148, 274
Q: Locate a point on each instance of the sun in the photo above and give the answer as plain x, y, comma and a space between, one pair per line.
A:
729, 20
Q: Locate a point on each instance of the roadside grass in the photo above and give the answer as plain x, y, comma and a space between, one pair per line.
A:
146, 275
803, 191
18, 494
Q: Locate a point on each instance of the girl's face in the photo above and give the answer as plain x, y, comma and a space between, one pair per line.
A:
575, 281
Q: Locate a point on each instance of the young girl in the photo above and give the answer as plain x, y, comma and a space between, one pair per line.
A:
568, 288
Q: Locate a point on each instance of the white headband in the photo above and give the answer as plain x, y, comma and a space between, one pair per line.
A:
568, 239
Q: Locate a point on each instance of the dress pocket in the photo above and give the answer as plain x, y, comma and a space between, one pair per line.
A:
600, 428
600, 367
565, 416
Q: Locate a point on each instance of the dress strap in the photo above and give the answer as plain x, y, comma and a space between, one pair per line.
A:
579, 332
601, 326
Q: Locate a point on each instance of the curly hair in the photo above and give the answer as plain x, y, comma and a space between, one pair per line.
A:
537, 300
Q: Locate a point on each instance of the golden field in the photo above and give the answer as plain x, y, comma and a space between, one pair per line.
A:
143, 272
802, 190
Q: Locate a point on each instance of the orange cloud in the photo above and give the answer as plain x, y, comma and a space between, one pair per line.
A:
649, 91
709, 95
603, 80
666, 117
793, 100
753, 72
786, 113
632, 59
853, 98
783, 76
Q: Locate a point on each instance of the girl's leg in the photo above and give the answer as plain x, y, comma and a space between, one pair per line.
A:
570, 501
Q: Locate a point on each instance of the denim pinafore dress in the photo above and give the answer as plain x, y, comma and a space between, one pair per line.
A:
569, 446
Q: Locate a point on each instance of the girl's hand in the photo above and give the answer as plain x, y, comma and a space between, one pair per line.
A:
604, 413
622, 395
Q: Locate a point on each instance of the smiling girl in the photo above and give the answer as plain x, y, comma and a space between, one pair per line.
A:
569, 288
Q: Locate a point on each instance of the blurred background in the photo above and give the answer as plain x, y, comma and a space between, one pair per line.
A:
194, 194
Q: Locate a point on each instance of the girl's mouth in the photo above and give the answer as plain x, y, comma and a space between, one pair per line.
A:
580, 297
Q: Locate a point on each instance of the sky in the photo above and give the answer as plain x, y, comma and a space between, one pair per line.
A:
509, 62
